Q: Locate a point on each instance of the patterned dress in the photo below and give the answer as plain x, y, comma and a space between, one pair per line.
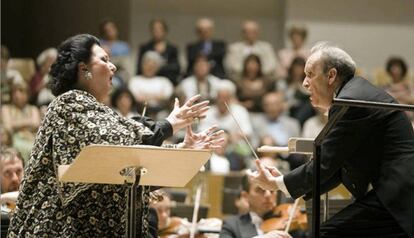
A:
48, 208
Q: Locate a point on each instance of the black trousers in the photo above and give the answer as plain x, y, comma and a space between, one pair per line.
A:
366, 217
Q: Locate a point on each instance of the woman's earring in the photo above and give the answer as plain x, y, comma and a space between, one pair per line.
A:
88, 75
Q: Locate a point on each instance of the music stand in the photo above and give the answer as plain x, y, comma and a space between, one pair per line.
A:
136, 165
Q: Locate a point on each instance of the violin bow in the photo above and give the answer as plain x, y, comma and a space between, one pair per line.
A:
291, 214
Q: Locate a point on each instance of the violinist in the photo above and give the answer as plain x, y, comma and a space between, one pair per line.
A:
248, 225
168, 227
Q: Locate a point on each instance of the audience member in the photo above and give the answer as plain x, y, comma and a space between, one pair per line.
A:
123, 102
162, 46
253, 84
297, 37
40, 94
397, 82
314, 125
149, 88
110, 41
219, 115
251, 44
274, 122
8, 76
213, 49
298, 101
22, 119
201, 82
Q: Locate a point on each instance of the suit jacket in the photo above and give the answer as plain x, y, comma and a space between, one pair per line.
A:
367, 146
171, 68
240, 226
215, 57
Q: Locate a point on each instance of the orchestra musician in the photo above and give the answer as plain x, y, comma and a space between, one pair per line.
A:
12, 169
370, 151
262, 206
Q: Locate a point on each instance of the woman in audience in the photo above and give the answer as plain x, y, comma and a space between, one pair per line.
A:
399, 85
123, 102
21, 119
81, 81
297, 37
296, 95
162, 46
149, 88
253, 84
110, 40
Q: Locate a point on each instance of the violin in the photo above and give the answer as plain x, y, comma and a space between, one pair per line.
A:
279, 219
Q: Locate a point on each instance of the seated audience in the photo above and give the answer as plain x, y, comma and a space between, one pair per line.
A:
260, 204
297, 97
8, 76
314, 125
40, 93
253, 84
150, 88
21, 119
110, 41
123, 102
396, 82
162, 46
213, 49
274, 121
297, 37
201, 82
251, 44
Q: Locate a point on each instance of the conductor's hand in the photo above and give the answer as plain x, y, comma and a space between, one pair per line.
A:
207, 139
180, 117
265, 176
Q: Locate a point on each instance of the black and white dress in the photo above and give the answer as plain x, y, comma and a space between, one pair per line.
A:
48, 208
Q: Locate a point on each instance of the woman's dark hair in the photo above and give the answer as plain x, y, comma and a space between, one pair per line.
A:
258, 61
71, 52
117, 94
297, 61
398, 62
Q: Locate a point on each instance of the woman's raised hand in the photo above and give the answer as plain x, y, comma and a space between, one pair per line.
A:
184, 116
207, 139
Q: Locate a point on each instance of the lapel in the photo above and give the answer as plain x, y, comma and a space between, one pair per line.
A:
246, 227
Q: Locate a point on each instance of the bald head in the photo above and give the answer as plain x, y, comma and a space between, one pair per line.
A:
250, 31
205, 27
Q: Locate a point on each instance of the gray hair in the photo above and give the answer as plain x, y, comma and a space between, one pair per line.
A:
334, 57
153, 56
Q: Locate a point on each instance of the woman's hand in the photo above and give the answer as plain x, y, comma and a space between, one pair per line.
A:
207, 139
183, 116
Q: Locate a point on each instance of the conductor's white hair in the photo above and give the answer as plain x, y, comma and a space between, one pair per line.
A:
335, 57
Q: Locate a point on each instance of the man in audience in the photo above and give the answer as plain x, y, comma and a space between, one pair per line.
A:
160, 44
250, 45
201, 82
214, 50
260, 203
12, 169
274, 122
